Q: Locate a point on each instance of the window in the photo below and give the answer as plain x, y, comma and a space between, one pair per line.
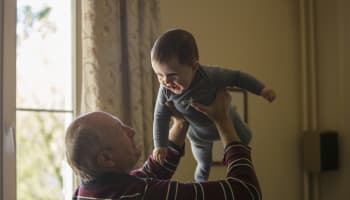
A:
52, 109
44, 100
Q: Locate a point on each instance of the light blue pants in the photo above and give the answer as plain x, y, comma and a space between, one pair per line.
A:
202, 149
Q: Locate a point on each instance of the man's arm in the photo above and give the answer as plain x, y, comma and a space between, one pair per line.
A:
240, 183
153, 169
241, 176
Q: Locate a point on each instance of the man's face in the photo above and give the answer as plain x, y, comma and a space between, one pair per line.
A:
174, 76
120, 141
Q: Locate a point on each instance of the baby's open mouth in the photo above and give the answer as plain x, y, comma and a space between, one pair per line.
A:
173, 86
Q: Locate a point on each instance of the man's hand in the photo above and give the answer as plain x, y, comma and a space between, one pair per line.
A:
218, 111
268, 94
159, 154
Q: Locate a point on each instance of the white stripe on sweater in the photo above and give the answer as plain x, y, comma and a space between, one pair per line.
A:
244, 185
223, 189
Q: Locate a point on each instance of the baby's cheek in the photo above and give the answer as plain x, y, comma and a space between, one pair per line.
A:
183, 85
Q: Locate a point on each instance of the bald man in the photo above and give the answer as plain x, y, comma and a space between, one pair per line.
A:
101, 150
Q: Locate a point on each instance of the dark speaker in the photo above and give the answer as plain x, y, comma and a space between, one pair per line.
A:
321, 151
329, 150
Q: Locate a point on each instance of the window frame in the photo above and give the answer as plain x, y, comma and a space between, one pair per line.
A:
1, 76
8, 185
8, 97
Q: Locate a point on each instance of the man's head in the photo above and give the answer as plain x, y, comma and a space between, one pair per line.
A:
174, 59
98, 142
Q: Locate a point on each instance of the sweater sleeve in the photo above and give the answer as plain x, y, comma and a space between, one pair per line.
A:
161, 120
153, 169
241, 182
234, 78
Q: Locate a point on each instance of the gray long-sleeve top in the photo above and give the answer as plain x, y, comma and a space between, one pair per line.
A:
206, 82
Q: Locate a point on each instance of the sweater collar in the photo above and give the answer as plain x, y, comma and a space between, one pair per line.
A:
110, 177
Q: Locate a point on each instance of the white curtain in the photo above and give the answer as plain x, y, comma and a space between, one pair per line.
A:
117, 75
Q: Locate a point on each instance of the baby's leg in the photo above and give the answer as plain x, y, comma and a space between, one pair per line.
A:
202, 152
241, 127
203, 156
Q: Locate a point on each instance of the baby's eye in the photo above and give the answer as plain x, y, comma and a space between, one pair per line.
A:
173, 76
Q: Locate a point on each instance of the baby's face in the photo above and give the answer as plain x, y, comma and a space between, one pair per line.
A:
174, 76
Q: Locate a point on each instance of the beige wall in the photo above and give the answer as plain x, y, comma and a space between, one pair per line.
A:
333, 62
261, 38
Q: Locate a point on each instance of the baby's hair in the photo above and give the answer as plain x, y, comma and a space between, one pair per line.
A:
175, 43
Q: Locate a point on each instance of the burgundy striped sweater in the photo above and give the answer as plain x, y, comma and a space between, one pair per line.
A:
152, 181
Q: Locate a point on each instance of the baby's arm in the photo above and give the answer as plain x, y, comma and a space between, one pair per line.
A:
161, 126
268, 94
159, 154
252, 84
248, 82
177, 133
234, 78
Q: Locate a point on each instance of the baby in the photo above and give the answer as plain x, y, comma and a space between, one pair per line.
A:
184, 80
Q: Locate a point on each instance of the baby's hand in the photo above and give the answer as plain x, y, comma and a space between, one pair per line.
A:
160, 153
268, 94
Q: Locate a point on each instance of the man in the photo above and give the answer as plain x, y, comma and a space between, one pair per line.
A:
102, 152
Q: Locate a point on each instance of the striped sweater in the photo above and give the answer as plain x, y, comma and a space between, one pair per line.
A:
152, 181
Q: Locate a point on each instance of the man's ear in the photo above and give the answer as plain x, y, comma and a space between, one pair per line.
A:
104, 159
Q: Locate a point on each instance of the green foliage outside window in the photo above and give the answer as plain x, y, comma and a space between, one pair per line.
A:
39, 135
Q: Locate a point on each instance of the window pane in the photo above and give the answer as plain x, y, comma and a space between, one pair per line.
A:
40, 155
44, 82
44, 54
